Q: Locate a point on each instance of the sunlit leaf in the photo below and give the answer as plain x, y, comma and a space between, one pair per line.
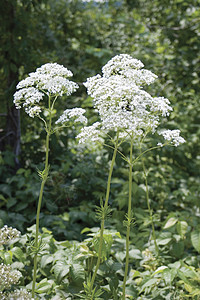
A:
195, 238
182, 228
171, 222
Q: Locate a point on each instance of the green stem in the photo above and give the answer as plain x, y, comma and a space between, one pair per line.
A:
103, 217
44, 178
149, 208
129, 220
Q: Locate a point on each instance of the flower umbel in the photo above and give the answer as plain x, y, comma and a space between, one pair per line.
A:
173, 136
90, 134
121, 101
50, 79
8, 276
74, 114
21, 294
7, 234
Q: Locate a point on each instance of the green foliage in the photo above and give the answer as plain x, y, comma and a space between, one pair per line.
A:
64, 266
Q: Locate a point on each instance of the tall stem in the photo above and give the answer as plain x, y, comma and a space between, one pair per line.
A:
103, 217
44, 178
149, 208
129, 220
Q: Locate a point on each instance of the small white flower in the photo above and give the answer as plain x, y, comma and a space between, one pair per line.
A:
140, 77
54, 69
161, 104
90, 134
27, 96
173, 136
160, 144
75, 113
120, 63
20, 294
33, 111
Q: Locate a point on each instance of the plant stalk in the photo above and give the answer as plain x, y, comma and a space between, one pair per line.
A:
103, 218
129, 220
44, 178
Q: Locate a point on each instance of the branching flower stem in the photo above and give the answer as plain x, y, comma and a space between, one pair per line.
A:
129, 221
44, 176
103, 216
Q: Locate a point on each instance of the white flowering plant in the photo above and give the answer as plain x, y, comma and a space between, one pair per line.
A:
37, 94
127, 113
126, 109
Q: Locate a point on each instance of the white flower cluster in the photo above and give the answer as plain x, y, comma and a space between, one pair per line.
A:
121, 63
29, 97
173, 136
90, 134
8, 276
21, 294
76, 114
49, 79
7, 234
120, 100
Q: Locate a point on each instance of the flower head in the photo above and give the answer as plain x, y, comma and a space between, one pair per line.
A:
90, 134
75, 114
50, 79
121, 63
29, 98
173, 136
21, 294
54, 69
7, 234
121, 101
8, 276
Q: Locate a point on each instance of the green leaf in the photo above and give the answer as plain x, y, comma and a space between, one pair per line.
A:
171, 222
181, 227
77, 272
11, 202
131, 291
178, 249
149, 283
7, 256
159, 270
136, 274
195, 238
43, 286
3, 199
20, 171
21, 206
18, 265
164, 241
18, 253
45, 260
169, 275
183, 277
86, 229
61, 269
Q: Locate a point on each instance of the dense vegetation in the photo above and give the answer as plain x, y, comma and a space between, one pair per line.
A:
83, 36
